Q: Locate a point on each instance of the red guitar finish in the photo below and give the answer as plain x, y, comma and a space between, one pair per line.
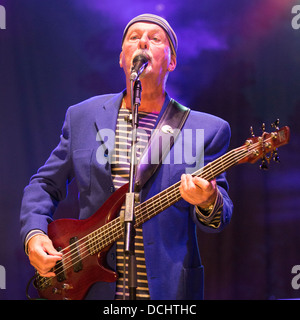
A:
93, 267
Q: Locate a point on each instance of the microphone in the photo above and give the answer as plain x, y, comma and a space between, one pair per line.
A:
140, 63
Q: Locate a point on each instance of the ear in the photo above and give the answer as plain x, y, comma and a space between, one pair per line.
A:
120, 61
173, 63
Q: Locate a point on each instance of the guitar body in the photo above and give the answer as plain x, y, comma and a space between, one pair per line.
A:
86, 268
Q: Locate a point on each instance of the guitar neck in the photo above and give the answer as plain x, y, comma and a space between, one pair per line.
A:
251, 151
161, 201
114, 230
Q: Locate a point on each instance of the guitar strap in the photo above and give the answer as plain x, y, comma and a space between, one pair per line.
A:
160, 142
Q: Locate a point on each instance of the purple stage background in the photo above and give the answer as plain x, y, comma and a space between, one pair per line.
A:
239, 60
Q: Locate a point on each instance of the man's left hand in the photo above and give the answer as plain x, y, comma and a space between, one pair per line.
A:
198, 191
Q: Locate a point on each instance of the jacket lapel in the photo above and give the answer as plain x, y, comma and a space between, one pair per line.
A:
106, 119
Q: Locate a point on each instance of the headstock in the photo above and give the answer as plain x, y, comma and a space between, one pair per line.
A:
266, 146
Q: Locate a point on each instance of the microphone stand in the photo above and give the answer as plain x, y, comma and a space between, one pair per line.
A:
129, 218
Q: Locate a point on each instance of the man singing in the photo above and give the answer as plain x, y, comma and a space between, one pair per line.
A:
168, 260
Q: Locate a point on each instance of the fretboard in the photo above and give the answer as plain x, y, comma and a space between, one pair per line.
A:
112, 231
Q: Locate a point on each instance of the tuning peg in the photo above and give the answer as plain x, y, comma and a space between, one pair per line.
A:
251, 132
275, 124
264, 164
263, 127
275, 156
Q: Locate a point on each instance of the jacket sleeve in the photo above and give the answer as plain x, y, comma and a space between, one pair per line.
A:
47, 187
222, 212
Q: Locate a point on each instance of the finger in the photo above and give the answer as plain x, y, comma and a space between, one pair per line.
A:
48, 247
44, 272
42, 261
183, 184
202, 184
40, 244
189, 182
46, 253
47, 275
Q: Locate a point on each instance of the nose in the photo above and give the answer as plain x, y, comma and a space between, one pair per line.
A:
144, 42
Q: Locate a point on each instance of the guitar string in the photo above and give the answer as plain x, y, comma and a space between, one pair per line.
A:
244, 154
107, 228
93, 240
196, 173
117, 232
111, 227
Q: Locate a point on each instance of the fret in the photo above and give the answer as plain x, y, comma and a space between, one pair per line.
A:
159, 204
104, 236
168, 199
161, 200
210, 167
151, 204
146, 214
91, 245
208, 172
222, 163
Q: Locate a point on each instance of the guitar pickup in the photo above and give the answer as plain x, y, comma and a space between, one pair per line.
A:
75, 254
59, 269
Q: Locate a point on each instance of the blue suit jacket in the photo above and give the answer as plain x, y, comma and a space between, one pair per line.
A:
172, 259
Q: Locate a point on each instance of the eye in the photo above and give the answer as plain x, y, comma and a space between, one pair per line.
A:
156, 39
133, 37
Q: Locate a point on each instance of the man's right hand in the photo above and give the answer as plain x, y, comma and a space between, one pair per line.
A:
42, 255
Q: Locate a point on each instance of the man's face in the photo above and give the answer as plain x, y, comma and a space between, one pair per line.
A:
151, 40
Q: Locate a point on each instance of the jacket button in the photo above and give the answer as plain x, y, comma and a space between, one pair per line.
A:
112, 189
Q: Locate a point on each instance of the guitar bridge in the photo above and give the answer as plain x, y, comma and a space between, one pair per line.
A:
41, 282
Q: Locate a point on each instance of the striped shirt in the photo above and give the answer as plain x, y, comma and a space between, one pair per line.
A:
120, 175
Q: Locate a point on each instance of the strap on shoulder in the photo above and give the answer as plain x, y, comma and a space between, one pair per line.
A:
164, 135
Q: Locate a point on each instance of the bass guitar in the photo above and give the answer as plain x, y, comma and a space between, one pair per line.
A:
85, 243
